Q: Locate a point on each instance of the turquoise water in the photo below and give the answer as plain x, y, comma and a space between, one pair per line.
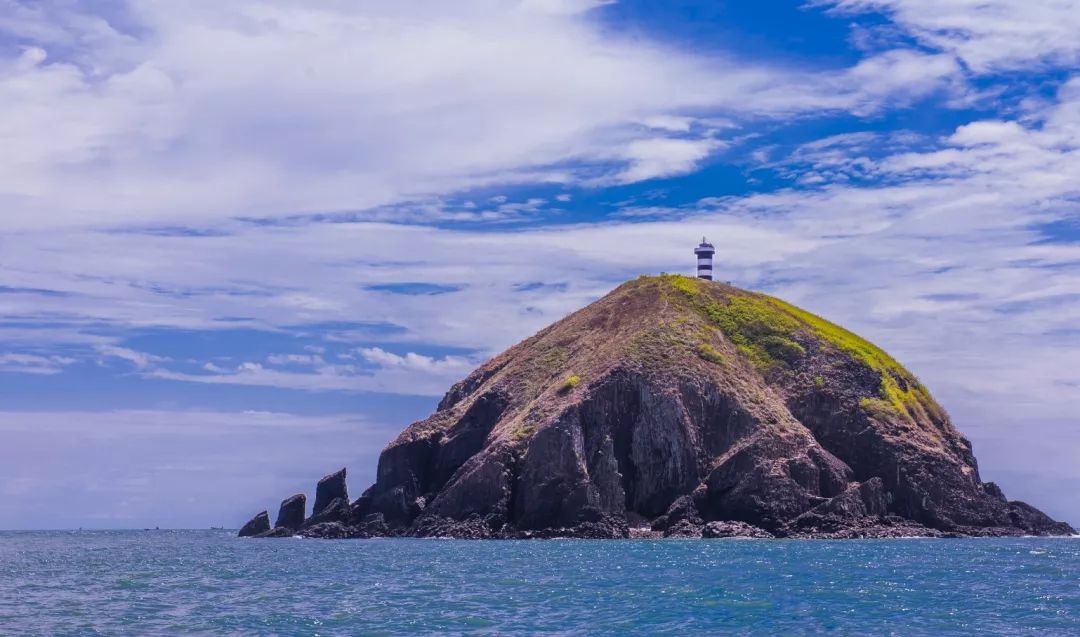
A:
209, 582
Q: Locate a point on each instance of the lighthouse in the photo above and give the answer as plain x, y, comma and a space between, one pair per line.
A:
704, 254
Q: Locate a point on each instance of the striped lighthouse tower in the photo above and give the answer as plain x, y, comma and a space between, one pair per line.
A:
704, 254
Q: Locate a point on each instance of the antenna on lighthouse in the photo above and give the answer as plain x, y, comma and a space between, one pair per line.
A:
704, 253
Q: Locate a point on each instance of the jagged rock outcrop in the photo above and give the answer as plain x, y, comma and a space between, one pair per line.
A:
291, 512
337, 510
256, 525
330, 488
684, 408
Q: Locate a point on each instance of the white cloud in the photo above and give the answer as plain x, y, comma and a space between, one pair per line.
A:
327, 378
417, 362
140, 360
988, 35
34, 364
563, 6
170, 123
663, 157
294, 359
410, 374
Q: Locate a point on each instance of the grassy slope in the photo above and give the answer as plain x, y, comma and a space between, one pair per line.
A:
654, 322
770, 333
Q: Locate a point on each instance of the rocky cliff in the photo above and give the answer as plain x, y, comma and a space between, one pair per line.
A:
679, 407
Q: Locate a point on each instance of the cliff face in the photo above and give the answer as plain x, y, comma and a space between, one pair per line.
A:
676, 406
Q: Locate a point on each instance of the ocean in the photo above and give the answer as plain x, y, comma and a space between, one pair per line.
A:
212, 583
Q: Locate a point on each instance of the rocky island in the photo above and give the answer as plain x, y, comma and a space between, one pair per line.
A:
676, 407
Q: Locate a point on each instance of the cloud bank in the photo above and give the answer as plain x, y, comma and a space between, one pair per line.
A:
184, 113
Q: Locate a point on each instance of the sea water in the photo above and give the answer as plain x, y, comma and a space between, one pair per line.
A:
210, 582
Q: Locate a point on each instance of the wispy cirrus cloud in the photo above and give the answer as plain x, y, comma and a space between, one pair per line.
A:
379, 371
141, 360
33, 363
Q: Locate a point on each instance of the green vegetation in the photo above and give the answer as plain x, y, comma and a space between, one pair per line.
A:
521, 431
709, 353
554, 358
761, 332
879, 409
658, 344
572, 381
771, 332
783, 348
900, 391
684, 284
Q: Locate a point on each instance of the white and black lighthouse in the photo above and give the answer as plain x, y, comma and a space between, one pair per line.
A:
704, 254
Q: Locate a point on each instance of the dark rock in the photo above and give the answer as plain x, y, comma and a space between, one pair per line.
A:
993, 490
278, 531
338, 510
361, 507
330, 531
682, 513
292, 512
860, 500
1034, 522
256, 525
608, 528
329, 488
697, 408
374, 525
473, 528
683, 529
733, 529
844, 528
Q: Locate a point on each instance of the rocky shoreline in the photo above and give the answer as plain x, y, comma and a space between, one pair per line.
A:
338, 519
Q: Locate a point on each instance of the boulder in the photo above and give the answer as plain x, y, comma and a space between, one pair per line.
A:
256, 525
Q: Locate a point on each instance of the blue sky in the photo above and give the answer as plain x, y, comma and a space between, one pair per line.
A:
244, 245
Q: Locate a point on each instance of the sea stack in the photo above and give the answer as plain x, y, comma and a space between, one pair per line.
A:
291, 512
332, 487
256, 525
678, 406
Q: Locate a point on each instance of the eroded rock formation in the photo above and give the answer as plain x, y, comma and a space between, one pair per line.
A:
256, 525
679, 407
291, 512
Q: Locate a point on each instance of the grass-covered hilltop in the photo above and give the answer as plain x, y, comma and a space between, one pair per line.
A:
679, 407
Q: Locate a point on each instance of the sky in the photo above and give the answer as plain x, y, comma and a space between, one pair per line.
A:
244, 244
